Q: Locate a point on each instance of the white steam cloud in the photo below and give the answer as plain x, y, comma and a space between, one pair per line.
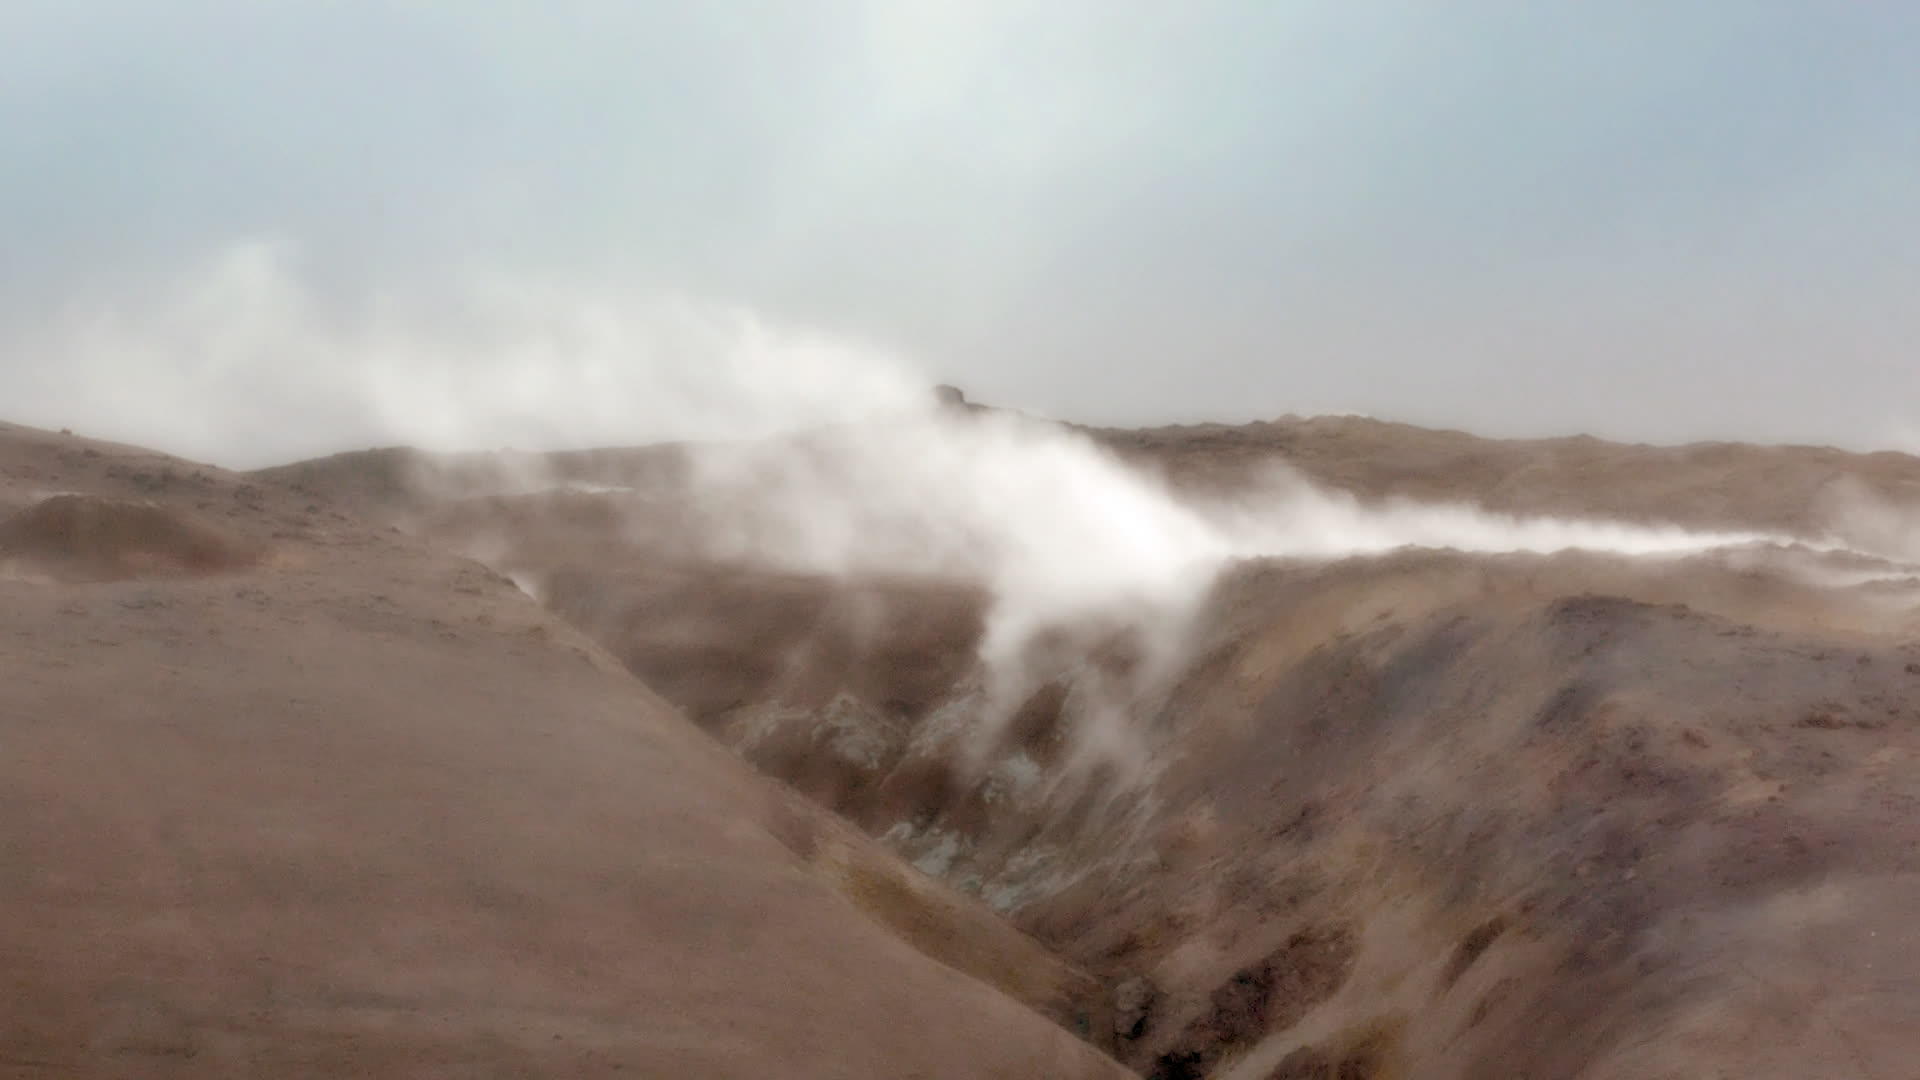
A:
244, 362
1059, 527
241, 361
1065, 535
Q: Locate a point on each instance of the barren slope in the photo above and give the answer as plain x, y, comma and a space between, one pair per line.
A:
1423, 814
355, 807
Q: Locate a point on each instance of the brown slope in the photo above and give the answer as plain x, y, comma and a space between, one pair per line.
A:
367, 810
75, 538
1425, 815
1439, 816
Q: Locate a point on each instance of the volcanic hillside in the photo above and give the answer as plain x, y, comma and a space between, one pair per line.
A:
1416, 812
1449, 758
287, 793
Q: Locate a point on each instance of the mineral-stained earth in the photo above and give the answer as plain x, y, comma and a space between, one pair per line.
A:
977, 746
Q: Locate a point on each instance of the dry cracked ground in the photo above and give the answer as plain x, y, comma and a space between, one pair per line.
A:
390, 764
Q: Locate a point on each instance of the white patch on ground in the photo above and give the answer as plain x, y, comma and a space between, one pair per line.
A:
932, 852
957, 717
1014, 779
857, 734
938, 859
1034, 873
755, 724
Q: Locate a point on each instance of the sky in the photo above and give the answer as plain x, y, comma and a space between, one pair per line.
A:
250, 231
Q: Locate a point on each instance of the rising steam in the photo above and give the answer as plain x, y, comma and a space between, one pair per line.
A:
242, 362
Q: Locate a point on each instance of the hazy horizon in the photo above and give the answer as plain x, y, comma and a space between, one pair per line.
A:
249, 233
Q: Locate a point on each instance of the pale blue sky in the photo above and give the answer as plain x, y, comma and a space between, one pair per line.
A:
1652, 220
